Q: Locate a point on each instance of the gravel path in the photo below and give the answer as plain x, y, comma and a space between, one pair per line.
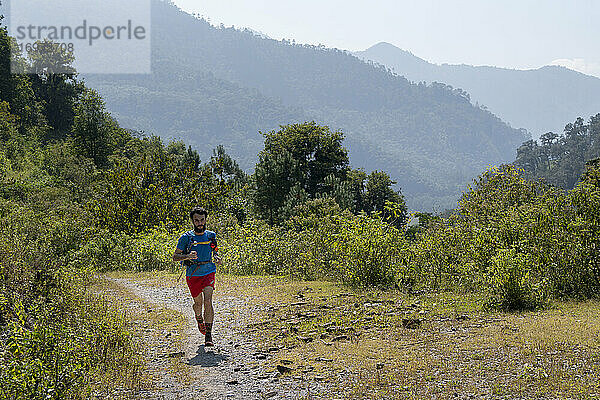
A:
233, 369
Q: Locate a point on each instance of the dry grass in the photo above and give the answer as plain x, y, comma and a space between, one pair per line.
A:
357, 341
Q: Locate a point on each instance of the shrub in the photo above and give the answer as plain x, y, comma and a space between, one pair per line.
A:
511, 284
104, 250
522, 242
367, 250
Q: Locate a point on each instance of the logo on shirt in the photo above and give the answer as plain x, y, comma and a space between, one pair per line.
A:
197, 243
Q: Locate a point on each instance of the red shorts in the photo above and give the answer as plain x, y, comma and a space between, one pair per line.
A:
198, 283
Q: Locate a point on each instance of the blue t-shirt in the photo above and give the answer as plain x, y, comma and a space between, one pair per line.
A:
201, 245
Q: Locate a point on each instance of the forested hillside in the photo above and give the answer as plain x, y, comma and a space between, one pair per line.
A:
560, 159
539, 100
224, 85
196, 107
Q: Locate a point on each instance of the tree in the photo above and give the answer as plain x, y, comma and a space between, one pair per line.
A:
153, 189
357, 178
274, 176
560, 159
339, 190
528, 156
187, 158
296, 197
7, 123
380, 197
226, 168
93, 128
16, 89
12, 143
317, 151
54, 82
306, 156
592, 173
374, 193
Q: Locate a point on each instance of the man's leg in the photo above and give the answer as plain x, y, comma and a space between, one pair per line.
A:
198, 301
209, 314
198, 305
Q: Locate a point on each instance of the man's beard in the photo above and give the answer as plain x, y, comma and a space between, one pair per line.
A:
200, 229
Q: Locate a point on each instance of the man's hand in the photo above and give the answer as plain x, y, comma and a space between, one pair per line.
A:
219, 261
179, 256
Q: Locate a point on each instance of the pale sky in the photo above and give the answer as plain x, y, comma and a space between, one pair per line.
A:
518, 34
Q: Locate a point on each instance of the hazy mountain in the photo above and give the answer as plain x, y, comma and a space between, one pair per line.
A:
196, 107
220, 85
540, 100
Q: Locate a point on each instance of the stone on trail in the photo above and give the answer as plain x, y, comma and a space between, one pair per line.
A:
283, 369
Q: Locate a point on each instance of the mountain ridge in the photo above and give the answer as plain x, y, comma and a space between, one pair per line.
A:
539, 100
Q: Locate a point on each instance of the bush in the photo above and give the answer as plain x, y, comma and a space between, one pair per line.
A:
511, 284
61, 349
257, 248
367, 250
522, 242
320, 241
104, 250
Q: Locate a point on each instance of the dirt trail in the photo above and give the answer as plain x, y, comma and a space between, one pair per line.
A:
233, 369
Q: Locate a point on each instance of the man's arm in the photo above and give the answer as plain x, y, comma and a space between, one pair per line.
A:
179, 256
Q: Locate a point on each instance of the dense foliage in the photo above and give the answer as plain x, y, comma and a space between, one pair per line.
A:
519, 242
58, 337
523, 241
307, 161
320, 241
58, 340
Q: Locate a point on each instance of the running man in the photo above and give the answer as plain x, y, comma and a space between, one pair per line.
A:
196, 250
